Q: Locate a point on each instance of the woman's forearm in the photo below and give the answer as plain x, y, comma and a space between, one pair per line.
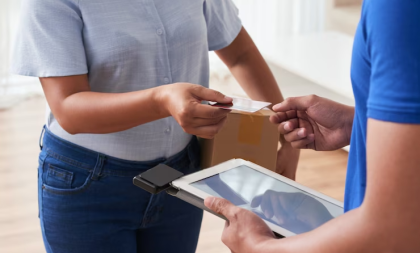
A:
250, 69
255, 77
94, 112
80, 110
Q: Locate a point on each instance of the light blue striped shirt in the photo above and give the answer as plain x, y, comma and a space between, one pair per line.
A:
125, 45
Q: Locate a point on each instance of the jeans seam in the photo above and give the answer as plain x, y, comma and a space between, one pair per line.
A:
145, 216
68, 160
47, 244
74, 191
54, 169
41, 205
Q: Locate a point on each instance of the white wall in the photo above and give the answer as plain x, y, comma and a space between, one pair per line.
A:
268, 20
12, 88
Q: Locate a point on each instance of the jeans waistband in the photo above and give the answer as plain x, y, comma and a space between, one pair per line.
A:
87, 159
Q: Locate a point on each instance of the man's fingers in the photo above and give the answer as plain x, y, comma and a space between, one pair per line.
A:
296, 135
296, 103
283, 116
210, 95
221, 206
288, 126
226, 224
306, 143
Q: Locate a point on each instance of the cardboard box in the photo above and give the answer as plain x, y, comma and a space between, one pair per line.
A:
249, 136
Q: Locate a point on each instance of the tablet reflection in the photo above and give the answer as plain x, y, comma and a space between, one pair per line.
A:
271, 199
296, 211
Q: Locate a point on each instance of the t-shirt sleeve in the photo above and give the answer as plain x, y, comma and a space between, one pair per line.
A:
393, 37
50, 40
223, 23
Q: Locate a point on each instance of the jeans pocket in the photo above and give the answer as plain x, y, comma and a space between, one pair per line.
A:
58, 178
64, 179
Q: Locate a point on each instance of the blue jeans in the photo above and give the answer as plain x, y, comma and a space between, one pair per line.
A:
88, 203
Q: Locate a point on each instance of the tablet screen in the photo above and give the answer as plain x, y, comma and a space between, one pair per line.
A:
271, 199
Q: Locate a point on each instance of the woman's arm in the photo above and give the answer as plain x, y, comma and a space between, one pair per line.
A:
249, 68
80, 110
387, 221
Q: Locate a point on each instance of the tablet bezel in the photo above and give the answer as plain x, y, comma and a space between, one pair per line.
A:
184, 183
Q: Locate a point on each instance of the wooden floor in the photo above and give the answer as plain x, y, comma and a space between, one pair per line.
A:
19, 224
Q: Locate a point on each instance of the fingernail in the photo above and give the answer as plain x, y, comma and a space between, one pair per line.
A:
288, 127
301, 133
228, 98
210, 201
276, 107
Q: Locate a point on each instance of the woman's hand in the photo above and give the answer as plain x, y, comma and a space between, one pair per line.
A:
244, 232
183, 102
314, 122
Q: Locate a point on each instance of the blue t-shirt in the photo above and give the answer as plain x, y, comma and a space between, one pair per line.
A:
386, 78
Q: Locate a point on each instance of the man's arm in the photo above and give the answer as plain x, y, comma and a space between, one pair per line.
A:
388, 220
249, 68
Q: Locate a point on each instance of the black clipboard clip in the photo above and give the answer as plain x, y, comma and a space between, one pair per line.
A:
159, 179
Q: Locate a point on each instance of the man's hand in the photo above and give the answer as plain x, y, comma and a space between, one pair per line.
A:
245, 232
314, 122
183, 102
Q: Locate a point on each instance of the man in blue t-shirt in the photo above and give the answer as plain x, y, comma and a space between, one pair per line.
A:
383, 180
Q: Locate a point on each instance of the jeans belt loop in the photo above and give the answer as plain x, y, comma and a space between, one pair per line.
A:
41, 137
97, 171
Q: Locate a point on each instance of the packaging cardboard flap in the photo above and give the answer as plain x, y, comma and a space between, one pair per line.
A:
250, 136
250, 129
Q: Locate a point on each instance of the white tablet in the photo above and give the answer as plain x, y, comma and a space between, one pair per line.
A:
287, 207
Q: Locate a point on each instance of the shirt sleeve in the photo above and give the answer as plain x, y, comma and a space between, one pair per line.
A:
223, 23
393, 42
50, 40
